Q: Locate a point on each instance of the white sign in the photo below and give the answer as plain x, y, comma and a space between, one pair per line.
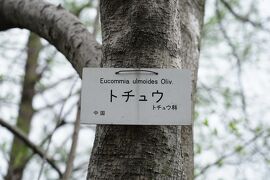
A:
136, 96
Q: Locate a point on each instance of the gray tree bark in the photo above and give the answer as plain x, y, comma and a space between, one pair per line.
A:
147, 34
140, 34
61, 28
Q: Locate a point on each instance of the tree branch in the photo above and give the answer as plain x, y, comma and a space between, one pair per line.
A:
55, 24
17, 132
238, 63
55, 84
73, 147
59, 122
240, 17
227, 155
96, 22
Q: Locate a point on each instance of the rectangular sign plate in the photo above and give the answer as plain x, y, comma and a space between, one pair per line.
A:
136, 96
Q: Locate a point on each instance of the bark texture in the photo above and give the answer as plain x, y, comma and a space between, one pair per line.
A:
147, 34
19, 150
55, 24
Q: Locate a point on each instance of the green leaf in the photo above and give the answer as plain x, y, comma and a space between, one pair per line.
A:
239, 149
220, 163
206, 122
233, 126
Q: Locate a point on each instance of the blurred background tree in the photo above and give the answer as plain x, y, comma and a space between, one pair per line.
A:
45, 102
231, 126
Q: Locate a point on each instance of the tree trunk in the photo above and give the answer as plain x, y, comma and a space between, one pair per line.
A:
19, 151
147, 34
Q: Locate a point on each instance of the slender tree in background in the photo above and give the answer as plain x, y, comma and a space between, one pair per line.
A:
136, 34
19, 151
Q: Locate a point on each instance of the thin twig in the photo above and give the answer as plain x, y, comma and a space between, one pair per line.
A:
18, 133
46, 67
240, 17
96, 22
57, 124
59, 101
225, 156
73, 145
63, 122
238, 63
53, 85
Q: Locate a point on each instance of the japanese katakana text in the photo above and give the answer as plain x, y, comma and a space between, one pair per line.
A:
128, 95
